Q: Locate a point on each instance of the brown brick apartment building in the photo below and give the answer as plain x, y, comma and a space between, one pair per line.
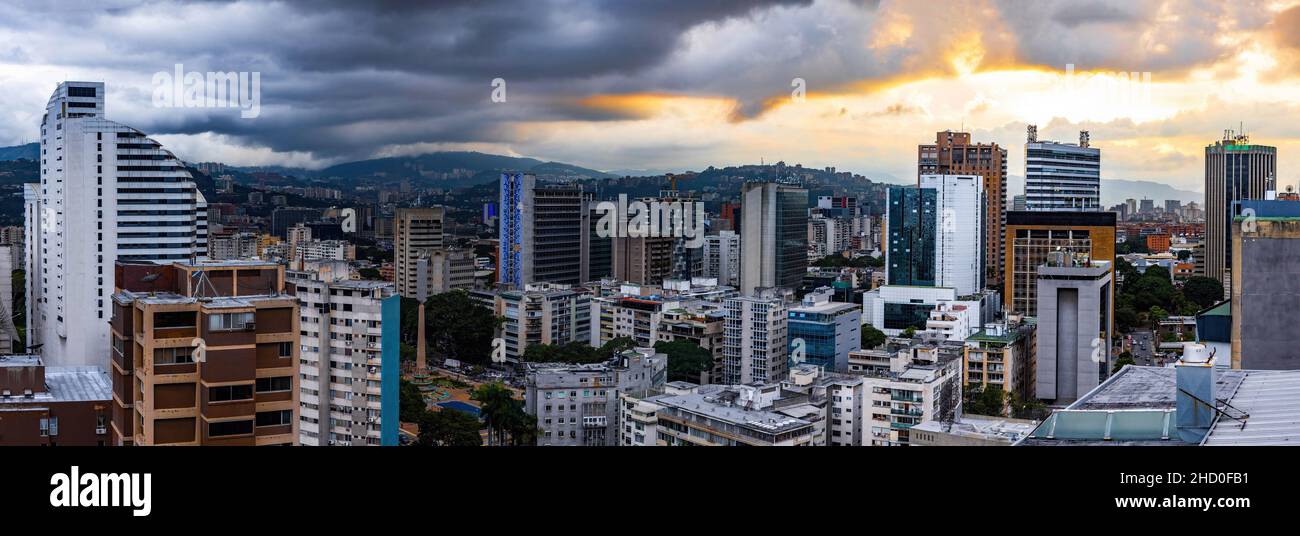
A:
204, 353
48, 406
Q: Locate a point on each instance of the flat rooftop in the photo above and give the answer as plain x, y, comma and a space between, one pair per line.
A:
982, 427
19, 360
69, 384
711, 403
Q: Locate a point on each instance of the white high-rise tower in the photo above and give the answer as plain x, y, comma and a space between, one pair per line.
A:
107, 193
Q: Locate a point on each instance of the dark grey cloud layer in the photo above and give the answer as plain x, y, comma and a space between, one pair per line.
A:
345, 79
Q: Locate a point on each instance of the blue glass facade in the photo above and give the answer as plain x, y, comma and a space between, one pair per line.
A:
913, 220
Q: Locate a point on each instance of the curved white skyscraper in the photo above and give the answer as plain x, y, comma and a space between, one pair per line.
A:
107, 193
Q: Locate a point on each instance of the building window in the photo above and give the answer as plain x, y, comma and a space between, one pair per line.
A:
275, 418
173, 356
229, 393
276, 384
286, 349
50, 427
229, 428
231, 321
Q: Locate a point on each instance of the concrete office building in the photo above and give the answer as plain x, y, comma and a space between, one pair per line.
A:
1062, 176
1235, 170
349, 362
1265, 253
416, 231
543, 314
285, 218
631, 316
204, 353
578, 404
1033, 236
824, 331
756, 339
643, 260
107, 193
954, 154
545, 232
894, 308
1074, 328
774, 236
722, 258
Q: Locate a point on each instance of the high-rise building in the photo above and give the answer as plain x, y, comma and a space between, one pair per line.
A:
722, 258
1074, 328
349, 362
1062, 176
204, 353
107, 193
911, 216
545, 232
644, 260
1032, 236
1235, 169
954, 154
959, 257
936, 233
1265, 250
416, 231
600, 257
285, 218
773, 236
755, 338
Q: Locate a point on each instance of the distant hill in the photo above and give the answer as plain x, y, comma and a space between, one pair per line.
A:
453, 169
31, 151
1115, 191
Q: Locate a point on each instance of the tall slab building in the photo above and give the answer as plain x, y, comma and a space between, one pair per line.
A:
1235, 170
108, 193
952, 153
1062, 176
773, 236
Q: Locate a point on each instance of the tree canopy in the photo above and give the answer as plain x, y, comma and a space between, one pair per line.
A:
449, 428
871, 337
686, 360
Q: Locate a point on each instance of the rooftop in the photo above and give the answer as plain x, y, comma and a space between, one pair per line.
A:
1137, 405
69, 384
981, 427
722, 404
19, 360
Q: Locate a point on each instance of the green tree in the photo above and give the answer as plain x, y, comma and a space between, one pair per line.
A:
871, 337
410, 403
369, 273
504, 415
458, 328
909, 332
1203, 291
576, 351
1184, 254
1119, 363
449, 428
1158, 313
686, 360
991, 400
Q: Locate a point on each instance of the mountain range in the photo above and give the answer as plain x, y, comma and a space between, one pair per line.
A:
466, 168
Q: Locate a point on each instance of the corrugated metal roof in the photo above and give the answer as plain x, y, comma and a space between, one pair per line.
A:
1271, 398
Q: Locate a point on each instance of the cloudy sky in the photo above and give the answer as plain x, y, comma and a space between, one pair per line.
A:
637, 84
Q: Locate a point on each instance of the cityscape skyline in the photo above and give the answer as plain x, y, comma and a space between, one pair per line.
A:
701, 86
